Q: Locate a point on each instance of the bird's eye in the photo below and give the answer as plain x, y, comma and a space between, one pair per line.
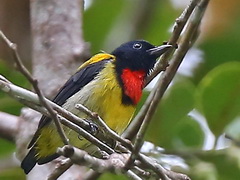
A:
137, 46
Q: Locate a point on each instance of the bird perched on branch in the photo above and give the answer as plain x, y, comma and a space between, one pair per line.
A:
109, 84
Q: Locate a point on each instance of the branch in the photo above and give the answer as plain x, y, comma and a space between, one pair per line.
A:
31, 100
26, 96
58, 48
114, 163
160, 66
155, 96
8, 126
104, 126
77, 155
180, 23
160, 171
61, 167
162, 84
34, 82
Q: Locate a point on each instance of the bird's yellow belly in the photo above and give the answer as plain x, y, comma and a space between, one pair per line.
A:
103, 95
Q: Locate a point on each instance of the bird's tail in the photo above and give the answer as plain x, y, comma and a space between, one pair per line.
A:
31, 160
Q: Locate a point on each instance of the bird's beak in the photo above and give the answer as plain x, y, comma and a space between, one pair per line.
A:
159, 50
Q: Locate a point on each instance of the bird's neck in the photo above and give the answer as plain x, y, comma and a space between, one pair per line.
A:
132, 84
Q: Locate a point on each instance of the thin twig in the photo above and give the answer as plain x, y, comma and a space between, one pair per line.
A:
74, 122
61, 167
160, 66
104, 126
177, 30
163, 83
34, 83
150, 105
168, 75
88, 136
160, 171
114, 163
21, 94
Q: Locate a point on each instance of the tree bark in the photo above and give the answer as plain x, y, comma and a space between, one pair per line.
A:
58, 46
58, 49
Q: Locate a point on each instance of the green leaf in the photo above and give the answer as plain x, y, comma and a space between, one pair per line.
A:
188, 134
175, 105
220, 48
218, 96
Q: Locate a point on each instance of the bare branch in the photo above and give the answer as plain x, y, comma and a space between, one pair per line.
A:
169, 74
114, 163
162, 84
87, 136
177, 30
60, 169
120, 165
23, 94
84, 159
8, 126
104, 126
34, 83
58, 48
73, 121
160, 171
160, 66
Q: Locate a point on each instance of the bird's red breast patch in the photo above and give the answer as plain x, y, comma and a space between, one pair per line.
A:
133, 82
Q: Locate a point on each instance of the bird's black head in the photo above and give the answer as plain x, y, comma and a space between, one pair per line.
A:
134, 60
138, 55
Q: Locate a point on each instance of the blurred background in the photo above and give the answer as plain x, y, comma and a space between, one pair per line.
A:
202, 105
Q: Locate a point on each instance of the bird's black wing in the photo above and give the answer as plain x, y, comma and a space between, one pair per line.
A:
77, 81
73, 85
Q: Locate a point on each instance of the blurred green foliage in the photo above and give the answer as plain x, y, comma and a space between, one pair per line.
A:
9, 105
213, 89
12, 174
98, 21
171, 119
218, 96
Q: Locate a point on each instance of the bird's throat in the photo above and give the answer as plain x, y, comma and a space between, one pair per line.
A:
133, 82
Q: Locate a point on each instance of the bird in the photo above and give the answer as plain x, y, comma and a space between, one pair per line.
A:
109, 84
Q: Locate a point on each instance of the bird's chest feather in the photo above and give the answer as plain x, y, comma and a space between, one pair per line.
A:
103, 95
133, 82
